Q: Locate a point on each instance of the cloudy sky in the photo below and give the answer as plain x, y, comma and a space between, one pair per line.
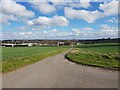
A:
58, 19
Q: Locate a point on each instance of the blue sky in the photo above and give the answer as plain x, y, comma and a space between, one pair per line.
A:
59, 20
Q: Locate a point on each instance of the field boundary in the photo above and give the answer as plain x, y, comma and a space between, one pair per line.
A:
102, 67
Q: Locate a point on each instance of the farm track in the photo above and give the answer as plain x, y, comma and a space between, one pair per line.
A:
57, 72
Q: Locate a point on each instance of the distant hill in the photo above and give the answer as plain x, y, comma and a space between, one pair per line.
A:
108, 40
67, 42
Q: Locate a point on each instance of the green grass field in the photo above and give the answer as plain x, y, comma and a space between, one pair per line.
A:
16, 57
100, 55
102, 48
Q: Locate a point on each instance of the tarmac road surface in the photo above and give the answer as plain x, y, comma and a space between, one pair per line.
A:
57, 72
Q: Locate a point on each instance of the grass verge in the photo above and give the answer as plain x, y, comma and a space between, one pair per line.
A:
17, 62
95, 59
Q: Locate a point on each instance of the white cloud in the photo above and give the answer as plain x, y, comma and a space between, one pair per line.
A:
109, 33
87, 28
81, 30
12, 10
105, 27
5, 18
59, 20
46, 8
105, 31
85, 4
30, 23
61, 34
76, 30
45, 32
43, 7
61, 4
18, 10
33, 29
79, 4
17, 35
37, 28
110, 20
98, 0
58, 2
76, 33
28, 27
54, 30
88, 16
22, 28
110, 8
109, 30
108, 27
53, 21
72, 0
113, 20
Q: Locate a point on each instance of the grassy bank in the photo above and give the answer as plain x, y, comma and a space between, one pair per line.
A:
17, 57
106, 56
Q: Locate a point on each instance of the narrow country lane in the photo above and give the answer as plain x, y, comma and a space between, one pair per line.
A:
57, 72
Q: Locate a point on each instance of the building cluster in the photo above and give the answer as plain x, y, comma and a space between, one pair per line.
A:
30, 43
38, 42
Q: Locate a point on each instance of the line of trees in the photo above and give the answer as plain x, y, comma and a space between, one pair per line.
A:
66, 42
